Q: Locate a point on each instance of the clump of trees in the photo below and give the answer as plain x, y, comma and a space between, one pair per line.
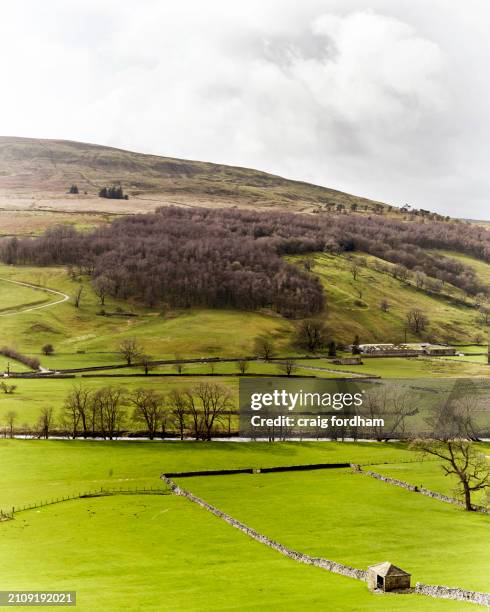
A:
115, 192
73, 189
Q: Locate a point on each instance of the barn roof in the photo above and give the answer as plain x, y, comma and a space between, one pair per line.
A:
388, 569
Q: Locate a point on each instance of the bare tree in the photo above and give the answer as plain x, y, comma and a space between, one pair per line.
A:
178, 401
102, 286
148, 409
243, 366
354, 269
195, 414
311, 334
384, 305
129, 350
393, 406
288, 366
209, 403
179, 368
264, 347
77, 409
11, 418
146, 362
110, 404
451, 439
417, 320
460, 459
45, 422
78, 296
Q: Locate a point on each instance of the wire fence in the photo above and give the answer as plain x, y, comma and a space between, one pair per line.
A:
8, 514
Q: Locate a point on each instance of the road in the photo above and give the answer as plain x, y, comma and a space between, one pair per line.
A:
64, 297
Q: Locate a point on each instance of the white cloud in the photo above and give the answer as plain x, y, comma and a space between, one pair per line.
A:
386, 102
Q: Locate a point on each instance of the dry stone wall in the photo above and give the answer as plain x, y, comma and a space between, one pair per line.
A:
443, 592
415, 489
331, 566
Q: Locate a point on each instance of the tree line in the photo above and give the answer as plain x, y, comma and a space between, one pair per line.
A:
199, 412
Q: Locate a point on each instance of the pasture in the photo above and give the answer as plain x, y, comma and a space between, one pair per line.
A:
118, 551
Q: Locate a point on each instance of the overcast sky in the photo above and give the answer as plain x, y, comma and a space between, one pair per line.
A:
388, 99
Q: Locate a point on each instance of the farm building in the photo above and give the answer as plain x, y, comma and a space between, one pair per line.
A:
387, 577
406, 350
438, 350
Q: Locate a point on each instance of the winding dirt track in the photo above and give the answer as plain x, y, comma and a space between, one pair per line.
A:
64, 297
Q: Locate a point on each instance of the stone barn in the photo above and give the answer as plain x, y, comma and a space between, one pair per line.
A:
387, 577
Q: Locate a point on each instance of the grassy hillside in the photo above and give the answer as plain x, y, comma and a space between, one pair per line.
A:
353, 305
45, 169
82, 336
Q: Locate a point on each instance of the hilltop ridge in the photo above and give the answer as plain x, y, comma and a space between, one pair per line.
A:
44, 169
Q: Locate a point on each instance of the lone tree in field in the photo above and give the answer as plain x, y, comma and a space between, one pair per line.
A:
417, 321
384, 305
146, 363
73, 189
242, 366
48, 349
264, 347
311, 334
129, 350
354, 269
452, 440
287, 367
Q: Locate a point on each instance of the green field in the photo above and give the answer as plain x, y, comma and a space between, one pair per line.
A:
314, 512
16, 297
189, 333
163, 553
117, 552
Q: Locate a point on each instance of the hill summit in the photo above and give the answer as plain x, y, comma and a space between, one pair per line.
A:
47, 169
